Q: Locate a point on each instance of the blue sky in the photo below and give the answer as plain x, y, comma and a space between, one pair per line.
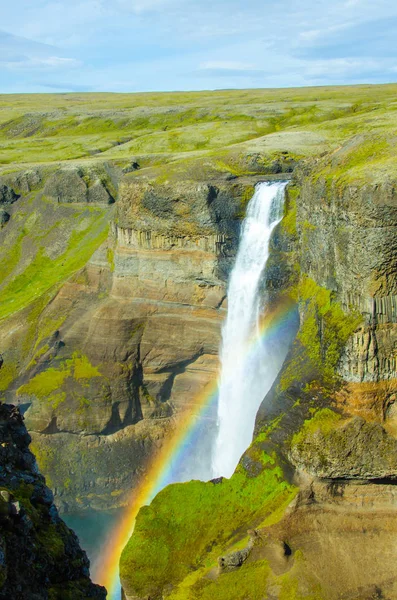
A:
143, 45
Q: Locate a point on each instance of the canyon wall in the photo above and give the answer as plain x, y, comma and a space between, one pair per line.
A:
102, 362
310, 511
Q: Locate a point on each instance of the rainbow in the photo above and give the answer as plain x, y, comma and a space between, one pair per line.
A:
158, 473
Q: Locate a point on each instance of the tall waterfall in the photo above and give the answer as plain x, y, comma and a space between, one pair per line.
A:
248, 365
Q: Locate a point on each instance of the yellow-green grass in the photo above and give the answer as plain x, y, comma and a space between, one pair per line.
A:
157, 128
43, 246
189, 525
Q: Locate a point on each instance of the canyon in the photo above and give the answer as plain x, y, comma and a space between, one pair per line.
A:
113, 284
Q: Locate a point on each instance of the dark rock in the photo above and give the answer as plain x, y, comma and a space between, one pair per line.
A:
39, 556
7, 194
98, 194
217, 480
4, 218
133, 166
66, 185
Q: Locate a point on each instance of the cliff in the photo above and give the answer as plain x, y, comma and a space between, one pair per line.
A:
119, 216
310, 511
40, 558
118, 228
126, 320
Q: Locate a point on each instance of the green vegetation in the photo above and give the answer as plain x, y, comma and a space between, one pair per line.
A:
39, 258
155, 129
321, 338
188, 526
48, 540
49, 536
7, 375
324, 421
110, 257
46, 385
246, 197
290, 211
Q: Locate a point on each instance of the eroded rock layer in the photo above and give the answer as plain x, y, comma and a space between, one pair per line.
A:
310, 511
103, 364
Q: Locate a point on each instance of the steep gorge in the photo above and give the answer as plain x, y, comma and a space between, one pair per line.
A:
310, 511
110, 320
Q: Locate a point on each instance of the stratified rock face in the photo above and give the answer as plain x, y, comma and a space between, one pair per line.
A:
126, 342
336, 540
328, 426
348, 238
40, 558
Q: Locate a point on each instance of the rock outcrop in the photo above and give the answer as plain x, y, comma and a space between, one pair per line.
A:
348, 237
40, 558
76, 185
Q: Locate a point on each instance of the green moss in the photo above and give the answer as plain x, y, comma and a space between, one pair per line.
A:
14, 253
48, 326
56, 399
83, 411
47, 534
324, 421
47, 384
247, 583
82, 368
44, 272
190, 525
110, 258
52, 542
46, 459
245, 198
38, 355
71, 590
8, 373
44, 384
99, 127
322, 336
374, 152
295, 586
33, 312
289, 220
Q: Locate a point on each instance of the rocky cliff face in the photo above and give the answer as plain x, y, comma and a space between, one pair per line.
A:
102, 364
40, 558
323, 460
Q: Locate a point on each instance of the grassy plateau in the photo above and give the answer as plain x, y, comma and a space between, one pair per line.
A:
156, 129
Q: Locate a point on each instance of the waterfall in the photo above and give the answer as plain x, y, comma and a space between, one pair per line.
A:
248, 364
218, 429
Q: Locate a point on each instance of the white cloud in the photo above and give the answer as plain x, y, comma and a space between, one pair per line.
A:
343, 67
226, 65
18, 53
144, 6
318, 34
35, 62
194, 44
